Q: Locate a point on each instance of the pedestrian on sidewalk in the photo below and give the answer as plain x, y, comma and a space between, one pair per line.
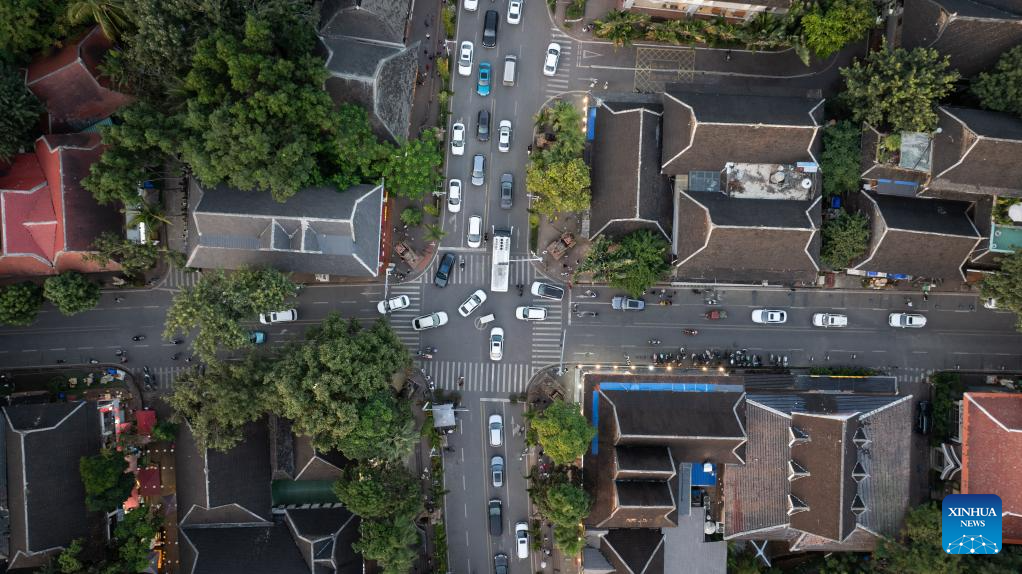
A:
427, 35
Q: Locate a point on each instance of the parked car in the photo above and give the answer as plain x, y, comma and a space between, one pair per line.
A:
465, 58
829, 320
458, 139
553, 54
496, 427
497, 470
906, 320
547, 291
924, 420
431, 321
478, 169
622, 303
769, 316
278, 317
504, 136
454, 196
507, 184
257, 337
500, 563
530, 313
483, 125
474, 238
514, 11
443, 271
490, 21
483, 83
472, 303
496, 519
471, 5
496, 344
393, 304
522, 539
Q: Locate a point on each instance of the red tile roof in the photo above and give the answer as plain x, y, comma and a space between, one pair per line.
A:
145, 420
991, 441
69, 85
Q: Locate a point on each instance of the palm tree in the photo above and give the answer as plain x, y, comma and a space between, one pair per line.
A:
150, 214
109, 14
621, 27
434, 233
662, 32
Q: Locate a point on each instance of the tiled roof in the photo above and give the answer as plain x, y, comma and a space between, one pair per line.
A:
977, 151
828, 489
634, 550
991, 441
973, 33
68, 84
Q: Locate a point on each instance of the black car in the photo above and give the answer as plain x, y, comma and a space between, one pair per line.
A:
923, 418
500, 564
443, 271
483, 126
490, 28
496, 518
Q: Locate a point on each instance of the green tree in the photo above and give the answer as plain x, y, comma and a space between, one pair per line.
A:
845, 239
109, 14
897, 90
379, 491
164, 431
19, 303
323, 382
29, 26
565, 504
1006, 285
912, 552
106, 480
133, 257
217, 402
67, 560
71, 292
257, 116
411, 216
563, 431
634, 263
840, 158
383, 429
218, 303
1001, 89
389, 543
621, 27
357, 155
133, 536
434, 233
561, 186
570, 538
413, 170
21, 111
832, 24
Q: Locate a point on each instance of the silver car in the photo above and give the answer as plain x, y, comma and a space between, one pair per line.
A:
478, 169
497, 471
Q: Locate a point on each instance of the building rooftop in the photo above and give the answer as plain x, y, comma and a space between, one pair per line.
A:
991, 440
771, 181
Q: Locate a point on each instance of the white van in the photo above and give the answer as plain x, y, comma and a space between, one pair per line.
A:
475, 231
510, 65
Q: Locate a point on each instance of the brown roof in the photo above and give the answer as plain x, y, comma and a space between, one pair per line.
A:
705, 131
977, 151
828, 490
972, 33
991, 441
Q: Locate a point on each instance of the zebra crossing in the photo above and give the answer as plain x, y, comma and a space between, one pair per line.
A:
488, 377
559, 83
178, 278
913, 374
477, 271
163, 377
401, 321
547, 335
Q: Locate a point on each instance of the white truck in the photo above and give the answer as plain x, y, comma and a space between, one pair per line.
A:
501, 260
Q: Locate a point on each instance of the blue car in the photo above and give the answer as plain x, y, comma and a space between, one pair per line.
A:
483, 87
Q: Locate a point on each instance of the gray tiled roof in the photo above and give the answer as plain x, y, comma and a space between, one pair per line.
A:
926, 215
828, 490
380, 20
973, 33
977, 151
318, 230
635, 550
754, 493
244, 550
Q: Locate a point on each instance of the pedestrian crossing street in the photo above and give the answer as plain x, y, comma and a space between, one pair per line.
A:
401, 321
164, 377
912, 374
180, 278
560, 82
477, 271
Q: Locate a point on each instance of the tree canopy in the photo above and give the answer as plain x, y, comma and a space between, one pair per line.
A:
218, 303
71, 292
21, 111
563, 431
389, 543
107, 485
19, 303
633, 263
357, 156
379, 491
218, 402
29, 26
1006, 285
1001, 89
845, 239
133, 536
564, 503
898, 90
134, 258
832, 24
413, 170
560, 187
840, 158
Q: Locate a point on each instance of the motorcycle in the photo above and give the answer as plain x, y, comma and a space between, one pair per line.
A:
177, 341
461, 262
654, 341
138, 338
589, 294
690, 331
175, 356
521, 289
581, 314
426, 356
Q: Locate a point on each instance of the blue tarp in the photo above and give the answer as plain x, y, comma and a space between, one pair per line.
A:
591, 125
701, 478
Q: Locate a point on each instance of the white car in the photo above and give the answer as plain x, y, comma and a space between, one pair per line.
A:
504, 136
522, 539
472, 303
454, 196
496, 344
458, 139
278, 317
903, 320
829, 320
771, 316
474, 238
514, 11
391, 305
431, 321
496, 427
530, 313
471, 5
553, 54
465, 58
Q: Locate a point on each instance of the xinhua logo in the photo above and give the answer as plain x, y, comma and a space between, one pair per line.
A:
971, 524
